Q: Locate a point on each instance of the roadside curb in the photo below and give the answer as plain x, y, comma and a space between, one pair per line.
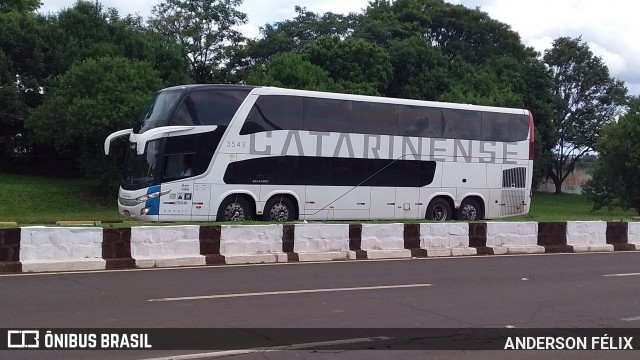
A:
43, 249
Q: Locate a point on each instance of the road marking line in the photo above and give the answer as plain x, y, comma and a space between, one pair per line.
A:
290, 292
618, 275
216, 354
635, 318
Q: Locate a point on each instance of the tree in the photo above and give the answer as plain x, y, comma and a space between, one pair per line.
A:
420, 71
19, 5
21, 70
286, 36
291, 70
205, 28
587, 99
90, 101
297, 33
87, 31
356, 64
615, 180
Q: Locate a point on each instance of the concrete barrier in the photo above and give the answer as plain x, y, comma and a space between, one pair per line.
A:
384, 241
322, 242
162, 246
40, 248
241, 244
61, 249
634, 234
446, 239
587, 236
513, 238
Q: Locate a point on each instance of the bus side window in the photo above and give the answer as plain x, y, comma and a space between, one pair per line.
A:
462, 124
504, 127
420, 121
375, 118
328, 115
216, 107
274, 113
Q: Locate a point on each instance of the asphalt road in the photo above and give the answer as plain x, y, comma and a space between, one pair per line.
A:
536, 291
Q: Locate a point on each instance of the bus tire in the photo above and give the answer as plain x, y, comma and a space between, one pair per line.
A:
279, 208
439, 209
234, 208
470, 210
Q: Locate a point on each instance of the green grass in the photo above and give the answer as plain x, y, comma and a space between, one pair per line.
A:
547, 207
40, 200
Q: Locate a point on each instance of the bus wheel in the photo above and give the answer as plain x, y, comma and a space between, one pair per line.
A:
470, 210
439, 209
279, 208
234, 208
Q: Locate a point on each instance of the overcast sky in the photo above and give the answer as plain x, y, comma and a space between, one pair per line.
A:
609, 27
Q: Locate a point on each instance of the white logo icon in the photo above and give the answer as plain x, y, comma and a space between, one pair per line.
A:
23, 339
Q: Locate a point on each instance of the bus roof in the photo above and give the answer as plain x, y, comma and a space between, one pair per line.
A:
192, 87
268, 90
387, 100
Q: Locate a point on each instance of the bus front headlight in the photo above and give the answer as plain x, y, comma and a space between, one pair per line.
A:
147, 197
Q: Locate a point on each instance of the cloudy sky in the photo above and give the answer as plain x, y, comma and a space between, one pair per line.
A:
609, 27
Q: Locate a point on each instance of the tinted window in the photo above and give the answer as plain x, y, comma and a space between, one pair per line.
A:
141, 170
462, 124
158, 111
185, 114
327, 115
274, 113
375, 118
328, 171
215, 107
504, 127
420, 121
189, 155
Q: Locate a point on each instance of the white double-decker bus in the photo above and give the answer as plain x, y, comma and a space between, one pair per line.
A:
230, 153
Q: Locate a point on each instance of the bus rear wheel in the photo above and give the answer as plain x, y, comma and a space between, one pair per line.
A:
439, 209
234, 208
470, 210
279, 208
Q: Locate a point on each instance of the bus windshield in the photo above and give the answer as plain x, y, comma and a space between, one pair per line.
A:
158, 111
140, 170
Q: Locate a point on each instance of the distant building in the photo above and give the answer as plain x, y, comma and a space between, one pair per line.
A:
573, 183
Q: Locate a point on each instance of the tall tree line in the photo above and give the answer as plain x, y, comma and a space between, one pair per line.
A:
70, 78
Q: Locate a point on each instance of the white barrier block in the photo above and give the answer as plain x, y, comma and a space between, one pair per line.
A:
384, 241
160, 246
633, 234
321, 242
446, 239
382, 237
321, 238
587, 236
242, 244
514, 237
61, 249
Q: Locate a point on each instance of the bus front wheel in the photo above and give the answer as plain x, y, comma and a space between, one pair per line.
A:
439, 209
234, 208
279, 208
